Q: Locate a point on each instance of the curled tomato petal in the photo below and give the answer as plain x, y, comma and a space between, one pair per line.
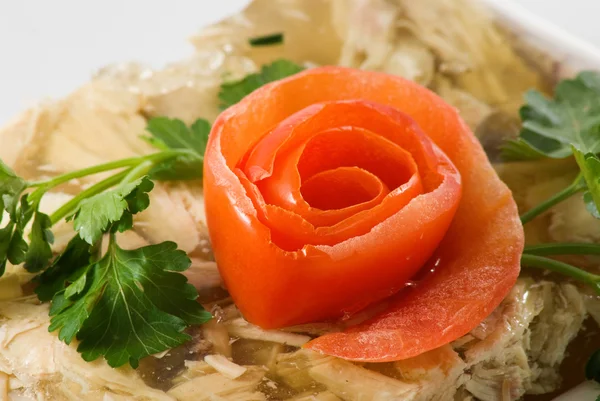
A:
340, 193
285, 261
316, 261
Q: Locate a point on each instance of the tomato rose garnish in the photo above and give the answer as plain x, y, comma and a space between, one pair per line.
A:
328, 191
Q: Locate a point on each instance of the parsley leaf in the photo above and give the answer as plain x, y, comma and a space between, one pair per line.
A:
17, 249
172, 133
94, 215
39, 251
521, 149
267, 40
64, 269
233, 92
168, 134
592, 368
11, 187
5, 234
553, 127
131, 304
589, 165
12, 246
568, 124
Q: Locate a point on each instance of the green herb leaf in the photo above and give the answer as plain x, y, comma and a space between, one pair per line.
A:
266, 40
589, 164
233, 92
39, 251
592, 368
16, 252
12, 246
181, 169
553, 127
590, 205
11, 187
79, 283
64, 270
133, 304
94, 216
5, 234
520, 149
174, 134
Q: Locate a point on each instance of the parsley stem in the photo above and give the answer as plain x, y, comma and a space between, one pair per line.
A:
100, 168
563, 268
577, 186
574, 248
103, 185
44, 186
137, 172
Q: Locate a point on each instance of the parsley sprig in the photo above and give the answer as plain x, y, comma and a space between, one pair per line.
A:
567, 125
233, 92
123, 305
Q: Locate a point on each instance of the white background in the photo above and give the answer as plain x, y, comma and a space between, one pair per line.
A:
49, 47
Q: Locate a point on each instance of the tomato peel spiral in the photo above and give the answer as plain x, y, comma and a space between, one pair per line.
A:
328, 191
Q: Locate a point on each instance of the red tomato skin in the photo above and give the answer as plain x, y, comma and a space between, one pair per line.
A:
475, 265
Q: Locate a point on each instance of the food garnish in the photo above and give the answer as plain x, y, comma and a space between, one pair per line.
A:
564, 126
267, 40
121, 304
420, 282
592, 368
322, 198
233, 92
567, 125
293, 246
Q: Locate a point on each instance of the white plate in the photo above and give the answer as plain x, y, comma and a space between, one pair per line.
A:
572, 52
